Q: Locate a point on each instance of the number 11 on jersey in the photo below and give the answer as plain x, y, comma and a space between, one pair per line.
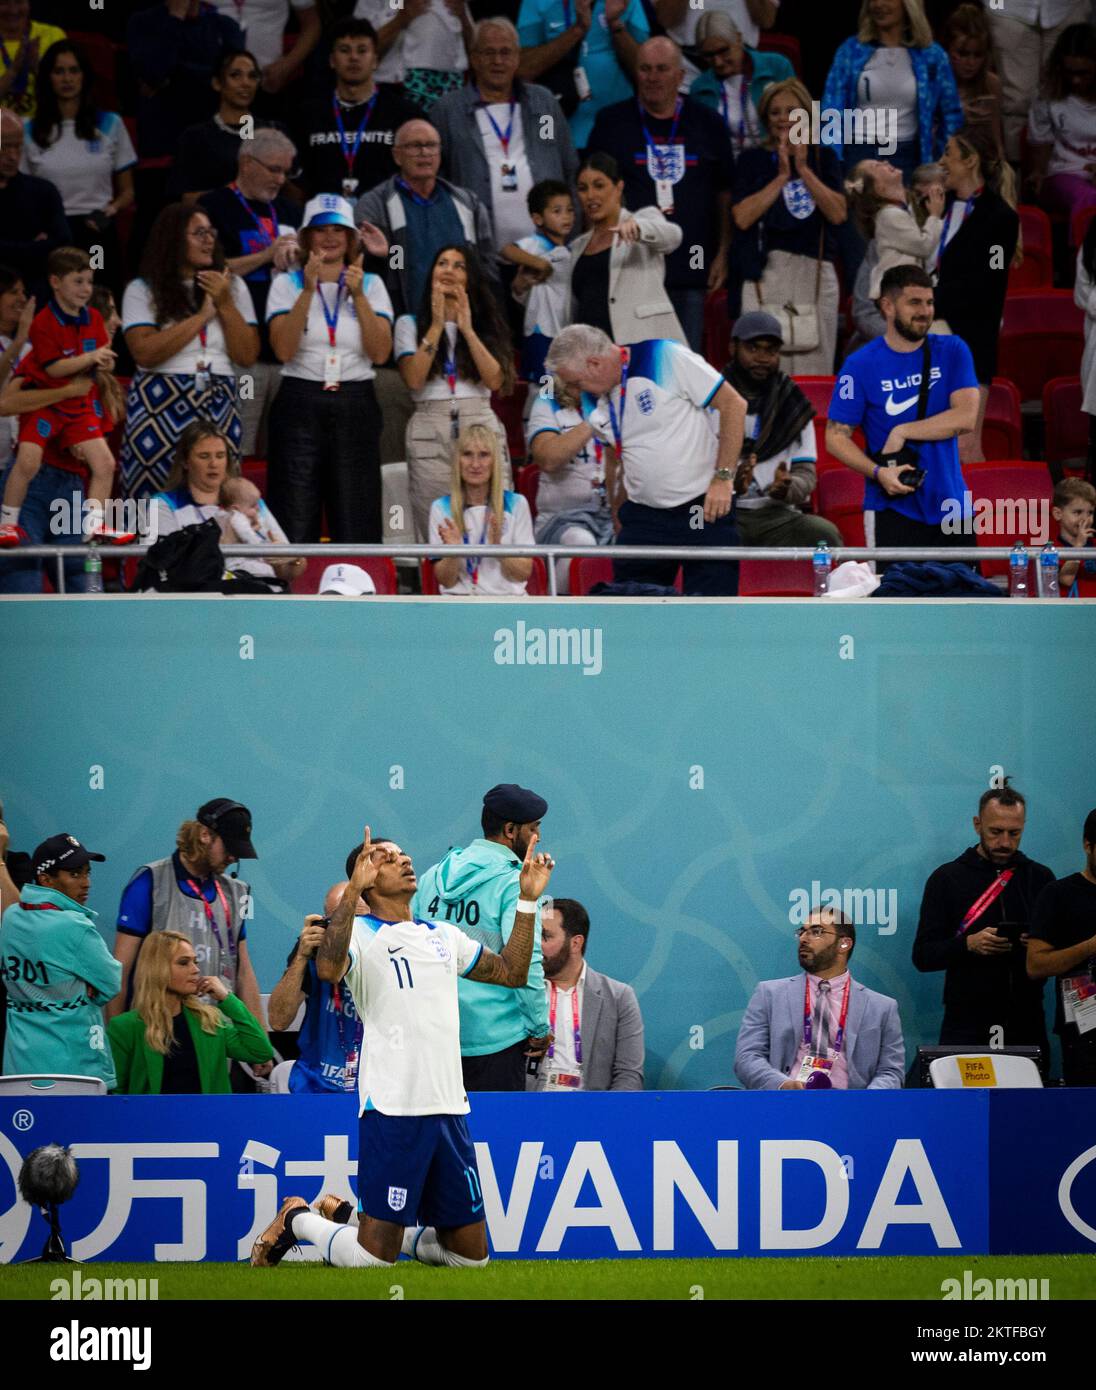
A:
396, 962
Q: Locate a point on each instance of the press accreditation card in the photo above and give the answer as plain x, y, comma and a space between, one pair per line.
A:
332, 370
811, 1063
664, 195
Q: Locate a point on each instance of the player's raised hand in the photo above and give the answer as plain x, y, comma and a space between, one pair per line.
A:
535, 871
368, 864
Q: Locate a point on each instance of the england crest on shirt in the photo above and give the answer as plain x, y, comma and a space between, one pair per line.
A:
645, 401
798, 199
397, 1198
666, 162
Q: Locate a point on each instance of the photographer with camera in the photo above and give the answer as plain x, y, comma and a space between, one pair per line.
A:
913, 393
330, 1039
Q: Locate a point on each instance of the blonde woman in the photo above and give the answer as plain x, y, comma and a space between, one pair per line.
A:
891, 64
170, 1043
478, 512
880, 206
787, 202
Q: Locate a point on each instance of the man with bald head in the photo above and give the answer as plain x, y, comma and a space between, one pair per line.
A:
32, 216
420, 212
331, 1033
495, 138
675, 154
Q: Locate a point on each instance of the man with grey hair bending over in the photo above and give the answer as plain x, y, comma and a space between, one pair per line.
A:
677, 428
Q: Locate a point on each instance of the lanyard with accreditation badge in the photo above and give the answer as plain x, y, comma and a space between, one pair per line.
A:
208, 910
508, 171
618, 422
576, 1031
664, 187
268, 233
350, 149
332, 367
814, 1070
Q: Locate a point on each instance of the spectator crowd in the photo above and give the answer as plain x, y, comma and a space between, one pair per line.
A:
334, 235
175, 1007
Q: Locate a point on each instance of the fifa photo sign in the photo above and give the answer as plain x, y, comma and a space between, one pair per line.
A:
594, 1176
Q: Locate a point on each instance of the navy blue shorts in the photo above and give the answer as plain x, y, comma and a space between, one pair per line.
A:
418, 1170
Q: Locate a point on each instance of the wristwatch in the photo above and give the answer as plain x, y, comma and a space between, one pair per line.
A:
723, 474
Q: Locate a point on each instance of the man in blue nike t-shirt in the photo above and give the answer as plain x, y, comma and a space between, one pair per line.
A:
879, 390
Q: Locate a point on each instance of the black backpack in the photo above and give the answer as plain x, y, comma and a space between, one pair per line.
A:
188, 561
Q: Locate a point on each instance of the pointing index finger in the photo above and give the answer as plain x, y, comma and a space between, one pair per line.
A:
533, 838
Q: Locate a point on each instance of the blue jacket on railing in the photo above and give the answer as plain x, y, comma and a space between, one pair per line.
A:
939, 111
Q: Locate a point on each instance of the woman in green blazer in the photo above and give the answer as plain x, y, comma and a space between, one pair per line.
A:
170, 1043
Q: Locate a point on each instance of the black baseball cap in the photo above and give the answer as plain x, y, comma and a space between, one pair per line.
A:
62, 852
508, 801
232, 822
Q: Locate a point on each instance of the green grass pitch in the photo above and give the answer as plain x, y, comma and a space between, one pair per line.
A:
894, 1277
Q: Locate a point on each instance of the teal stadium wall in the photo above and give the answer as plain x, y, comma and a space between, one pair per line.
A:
858, 773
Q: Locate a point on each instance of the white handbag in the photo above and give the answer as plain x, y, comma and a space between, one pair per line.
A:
799, 323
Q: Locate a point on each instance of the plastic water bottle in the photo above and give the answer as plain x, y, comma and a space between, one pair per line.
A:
1018, 572
821, 564
1048, 571
93, 570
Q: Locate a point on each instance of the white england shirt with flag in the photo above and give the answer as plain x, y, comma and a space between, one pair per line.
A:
669, 431
403, 980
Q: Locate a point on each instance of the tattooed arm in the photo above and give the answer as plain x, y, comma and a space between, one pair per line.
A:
332, 959
510, 968
840, 443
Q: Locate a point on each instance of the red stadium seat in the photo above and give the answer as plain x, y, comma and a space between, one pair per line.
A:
1020, 491
587, 570
775, 578
510, 410
1079, 226
527, 480
1002, 429
584, 573
254, 470
1066, 423
839, 497
717, 330
1037, 268
1042, 337
102, 54
787, 44
818, 390
537, 586
380, 569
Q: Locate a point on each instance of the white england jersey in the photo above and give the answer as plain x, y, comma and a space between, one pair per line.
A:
403, 980
669, 432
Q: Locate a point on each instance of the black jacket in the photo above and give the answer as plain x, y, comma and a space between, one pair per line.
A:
981, 988
970, 294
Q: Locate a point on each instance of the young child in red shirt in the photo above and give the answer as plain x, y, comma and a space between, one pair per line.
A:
67, 338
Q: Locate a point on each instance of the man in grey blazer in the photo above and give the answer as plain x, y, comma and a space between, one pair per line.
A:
596, 1021
820, 1029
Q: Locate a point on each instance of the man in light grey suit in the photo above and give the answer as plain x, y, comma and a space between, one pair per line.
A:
596, 1021
820, 1029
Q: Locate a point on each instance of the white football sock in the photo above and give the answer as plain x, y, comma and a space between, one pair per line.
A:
338, 1244
9, 516
429, 1250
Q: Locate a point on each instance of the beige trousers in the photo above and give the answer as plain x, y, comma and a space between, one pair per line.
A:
430, 452
790, 279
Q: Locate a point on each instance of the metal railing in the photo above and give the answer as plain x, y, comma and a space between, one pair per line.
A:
549, 553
